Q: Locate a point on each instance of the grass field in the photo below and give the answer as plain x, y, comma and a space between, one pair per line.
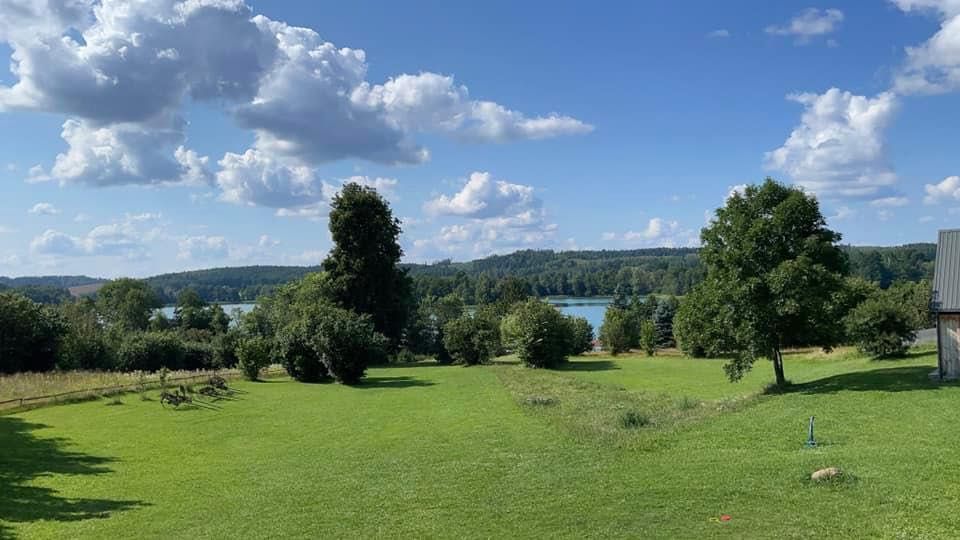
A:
501, 452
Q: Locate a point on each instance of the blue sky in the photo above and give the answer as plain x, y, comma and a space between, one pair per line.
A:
168, 136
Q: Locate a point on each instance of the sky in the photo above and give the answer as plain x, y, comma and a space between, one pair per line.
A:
139, 138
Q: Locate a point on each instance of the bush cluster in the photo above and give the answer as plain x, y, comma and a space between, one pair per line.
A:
538, 333
472, 339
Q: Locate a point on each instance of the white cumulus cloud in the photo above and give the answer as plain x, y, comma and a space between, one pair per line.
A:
838, 149
129, 238
945, 190
500, 216
933, 66
484, 197
122, 73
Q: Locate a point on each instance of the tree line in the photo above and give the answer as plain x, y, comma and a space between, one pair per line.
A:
662, 271
774, 277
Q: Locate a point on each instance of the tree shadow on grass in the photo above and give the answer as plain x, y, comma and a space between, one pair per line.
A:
899, 379
25, 457
592, 365
392, 382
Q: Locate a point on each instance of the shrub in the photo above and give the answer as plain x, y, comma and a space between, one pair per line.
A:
648, 337
30, 335
150, 351
701, 325
537, 333
424, 333
619, 330
404, 356
225, 349
253, 354
85, 344
581, 334
471, 339
197, 355
881, 327
293, 349
347, 343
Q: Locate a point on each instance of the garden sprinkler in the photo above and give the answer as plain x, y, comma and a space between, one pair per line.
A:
811, 442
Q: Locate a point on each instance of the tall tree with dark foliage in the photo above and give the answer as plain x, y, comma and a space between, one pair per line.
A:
363, 264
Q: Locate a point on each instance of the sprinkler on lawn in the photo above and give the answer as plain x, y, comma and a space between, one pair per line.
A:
811, 442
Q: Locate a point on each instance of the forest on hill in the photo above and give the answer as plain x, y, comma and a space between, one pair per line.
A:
544, 272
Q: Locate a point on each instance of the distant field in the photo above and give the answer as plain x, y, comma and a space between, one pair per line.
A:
502, 452
85, 290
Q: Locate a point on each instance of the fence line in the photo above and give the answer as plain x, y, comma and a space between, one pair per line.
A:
21, 401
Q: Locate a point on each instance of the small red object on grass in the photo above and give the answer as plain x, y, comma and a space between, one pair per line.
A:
725, 517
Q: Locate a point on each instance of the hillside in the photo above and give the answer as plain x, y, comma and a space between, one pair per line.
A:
237, 284
546, 272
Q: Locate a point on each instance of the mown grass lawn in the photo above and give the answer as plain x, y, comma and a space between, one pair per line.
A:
502, 452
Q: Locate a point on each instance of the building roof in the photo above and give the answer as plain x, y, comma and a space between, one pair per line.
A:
946, 276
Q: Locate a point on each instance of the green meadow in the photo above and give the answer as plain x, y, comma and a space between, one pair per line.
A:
623, 446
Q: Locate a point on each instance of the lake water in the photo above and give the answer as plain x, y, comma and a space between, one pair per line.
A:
591, 309
168, 311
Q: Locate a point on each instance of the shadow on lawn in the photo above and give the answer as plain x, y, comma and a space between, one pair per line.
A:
899, 379
392, 382
24, 458
593, 365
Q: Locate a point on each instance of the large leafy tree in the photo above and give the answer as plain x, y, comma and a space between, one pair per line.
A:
362, 267
775, 264
30, 335
127, 303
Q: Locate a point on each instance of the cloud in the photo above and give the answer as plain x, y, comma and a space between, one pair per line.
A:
839, 149
387, 187
255, 178
208, 248
843, 212
736, 189
483, 197
7, 230
43, 209
501, 216
129, 238
719, 33
203, 248
890, 202
122, 73
658, 232
809, 23
306, 258
945, 190
925, 219
125, 154
81, 218
932, 67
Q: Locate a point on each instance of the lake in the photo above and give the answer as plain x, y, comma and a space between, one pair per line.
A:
591, 308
